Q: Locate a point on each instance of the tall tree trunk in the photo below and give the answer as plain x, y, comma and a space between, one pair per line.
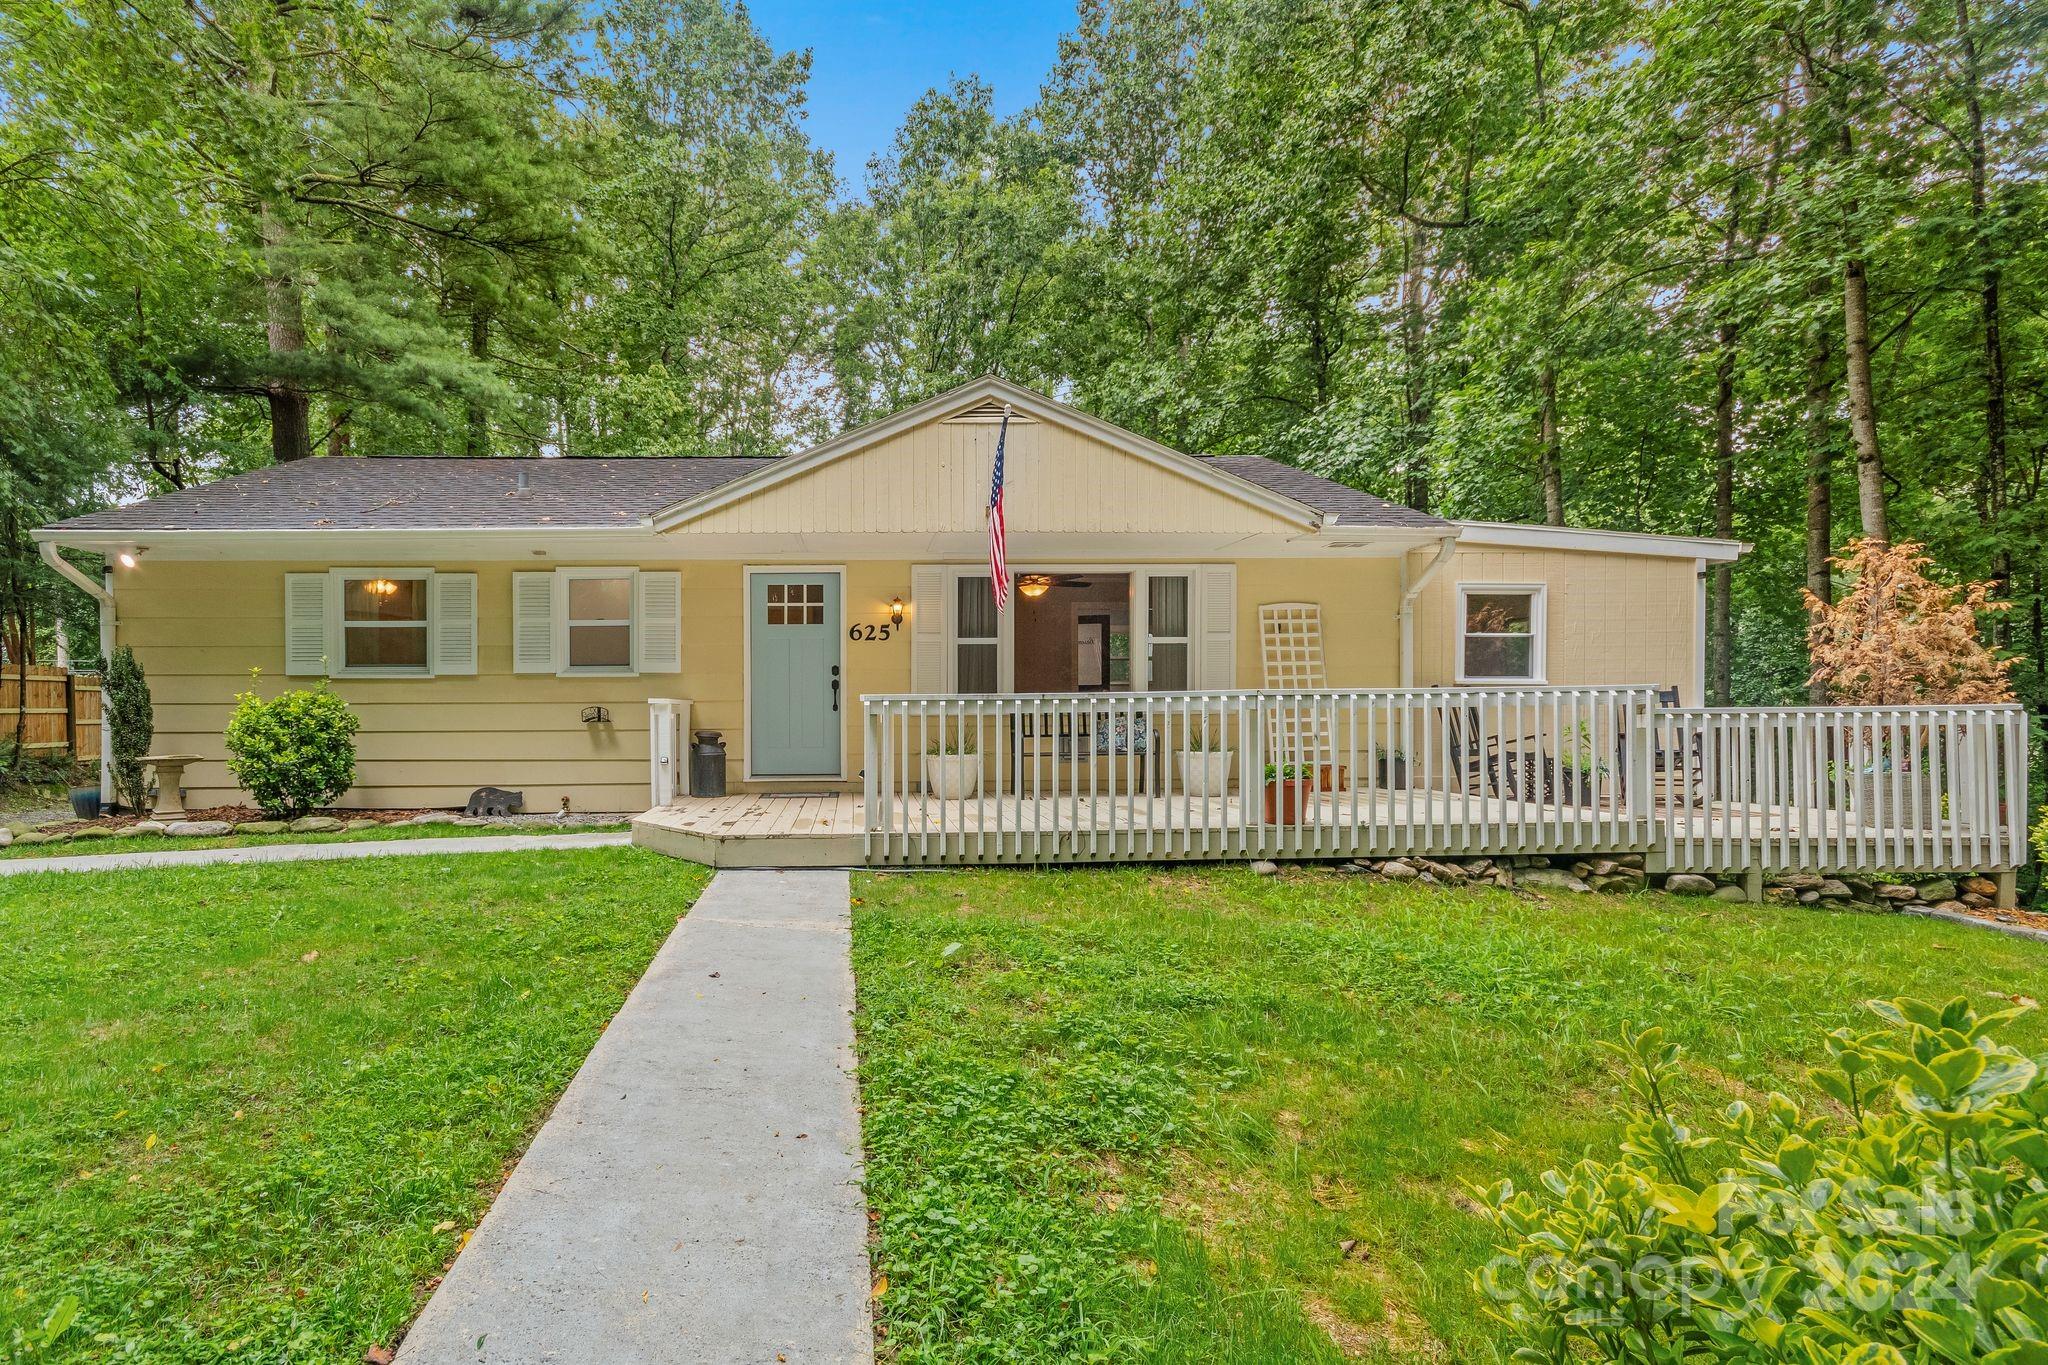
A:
1820, 472
1416, 435
479, 442
1549, 459
1991, 491
291, 407
1721, 585
1863, 401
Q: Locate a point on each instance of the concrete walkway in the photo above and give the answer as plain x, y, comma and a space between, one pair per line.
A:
695, 1197
302, 853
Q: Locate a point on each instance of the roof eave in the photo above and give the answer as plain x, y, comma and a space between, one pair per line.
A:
1514, 534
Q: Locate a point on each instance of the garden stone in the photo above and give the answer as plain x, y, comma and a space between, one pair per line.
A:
1479, 867
1976, 902
1614, 883
1398, 871
1809, 897
1689, 884
93, 832
6, 837
1799, 881
1265, 867
469, 821
1937, 889
316, 824
1734, 895
34, 836
1980, 886
1634, 860
1953, 908
198, 829
262, 827
362, 824
434, 817
1833, 890
1897, 891
17, 829
1552, 879
1446, 872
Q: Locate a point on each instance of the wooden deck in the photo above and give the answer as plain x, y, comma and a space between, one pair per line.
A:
757, 830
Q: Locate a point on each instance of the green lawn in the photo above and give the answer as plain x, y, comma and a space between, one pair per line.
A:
246, 1113
158, 843
1139, 1114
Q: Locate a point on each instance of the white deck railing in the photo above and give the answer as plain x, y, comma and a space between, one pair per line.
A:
1170, 775
1441, 772
1837, 789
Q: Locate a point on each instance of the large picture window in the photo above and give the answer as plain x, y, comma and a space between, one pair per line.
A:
1500, 632
384, 622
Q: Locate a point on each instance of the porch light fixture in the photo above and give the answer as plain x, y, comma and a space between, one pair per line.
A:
1035, 584
127, 559
380, 587
896, 611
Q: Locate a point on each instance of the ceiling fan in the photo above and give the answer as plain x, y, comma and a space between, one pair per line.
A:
1038, 584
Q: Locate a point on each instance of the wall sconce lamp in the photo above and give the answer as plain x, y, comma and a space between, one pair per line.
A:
896, 611
127, 558
596, 715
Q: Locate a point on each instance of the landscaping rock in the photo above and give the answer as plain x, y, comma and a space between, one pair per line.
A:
145, 827
1797, 881
1551, 879
1975, 901
469, 821
361, 824
1399, 871
1809, 897
1734, 895
198, 829
36, 836
434, 817
1450, 873
1953, 907
1937, 889
1897, 891
1689, 884
1479, 867
1264, 867
316, 824
17, 829
6, 837
1634, 860
94, 832
1981, 886
263, 827
1832, 890
1614, 883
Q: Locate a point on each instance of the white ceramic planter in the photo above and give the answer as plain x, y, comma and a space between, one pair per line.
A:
1205, 772
953, 777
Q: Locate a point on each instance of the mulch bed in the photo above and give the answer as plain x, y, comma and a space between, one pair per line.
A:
234, 815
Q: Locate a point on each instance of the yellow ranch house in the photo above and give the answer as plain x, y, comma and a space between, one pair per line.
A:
1198, 657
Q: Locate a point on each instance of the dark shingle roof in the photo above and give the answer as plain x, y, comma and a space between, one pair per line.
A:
1354, 507
432, 493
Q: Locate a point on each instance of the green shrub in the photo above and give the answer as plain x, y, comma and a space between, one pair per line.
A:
1910, 1226
124, 693
295, 751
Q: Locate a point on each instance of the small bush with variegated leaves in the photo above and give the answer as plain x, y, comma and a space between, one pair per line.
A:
1912, 1226
294, 751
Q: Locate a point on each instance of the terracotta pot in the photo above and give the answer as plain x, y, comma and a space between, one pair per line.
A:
1287, 800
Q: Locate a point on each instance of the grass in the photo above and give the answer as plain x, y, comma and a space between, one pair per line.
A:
158, 843
1139, 1114
247, 1112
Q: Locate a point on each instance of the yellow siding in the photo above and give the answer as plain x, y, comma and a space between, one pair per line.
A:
200, 627
934, 478
1611, 619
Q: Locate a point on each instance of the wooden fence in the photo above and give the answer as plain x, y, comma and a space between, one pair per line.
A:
62, 711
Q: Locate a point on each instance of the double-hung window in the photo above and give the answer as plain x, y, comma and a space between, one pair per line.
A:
383, 627
597, 621
1500, 632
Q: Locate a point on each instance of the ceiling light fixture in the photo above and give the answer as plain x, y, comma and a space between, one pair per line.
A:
1035, 584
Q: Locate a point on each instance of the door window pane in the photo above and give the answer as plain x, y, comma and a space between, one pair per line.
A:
977, 671
1169, 666
1168, 598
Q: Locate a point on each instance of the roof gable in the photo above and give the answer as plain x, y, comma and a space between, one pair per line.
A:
926, 469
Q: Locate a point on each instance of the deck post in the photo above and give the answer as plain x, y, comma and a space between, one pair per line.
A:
1753, 885
2008, 890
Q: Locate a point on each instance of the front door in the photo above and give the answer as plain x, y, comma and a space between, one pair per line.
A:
795, 696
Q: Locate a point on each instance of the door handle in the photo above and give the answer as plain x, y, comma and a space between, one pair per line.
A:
835, 688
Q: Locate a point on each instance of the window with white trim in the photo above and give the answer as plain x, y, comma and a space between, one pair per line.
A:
383, 624
977, 644
597, 620
1500, 632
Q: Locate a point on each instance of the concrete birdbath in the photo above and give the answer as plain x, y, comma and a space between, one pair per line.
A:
170, 777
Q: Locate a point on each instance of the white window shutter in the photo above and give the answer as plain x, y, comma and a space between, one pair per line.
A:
454, 623
533, 623
305, 624
1216, 649
660, 627
930, 603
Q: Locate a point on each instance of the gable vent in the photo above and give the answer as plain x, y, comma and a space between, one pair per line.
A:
990, 410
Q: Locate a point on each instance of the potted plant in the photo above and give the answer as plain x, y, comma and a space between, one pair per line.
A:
1205, 760
1393, 769
952, 767
1288, 790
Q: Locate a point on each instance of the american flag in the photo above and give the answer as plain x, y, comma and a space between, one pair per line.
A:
998, 566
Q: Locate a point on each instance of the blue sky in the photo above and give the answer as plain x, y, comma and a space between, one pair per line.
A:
869, 60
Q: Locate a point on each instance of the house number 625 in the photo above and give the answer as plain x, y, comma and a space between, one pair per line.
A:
869, 632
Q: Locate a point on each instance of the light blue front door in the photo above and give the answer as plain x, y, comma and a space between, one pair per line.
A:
796, 695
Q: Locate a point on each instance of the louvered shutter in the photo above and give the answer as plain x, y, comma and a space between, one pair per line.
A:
1216, 646
661, 623
454, 626
929, 603
305, 624
533, 623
